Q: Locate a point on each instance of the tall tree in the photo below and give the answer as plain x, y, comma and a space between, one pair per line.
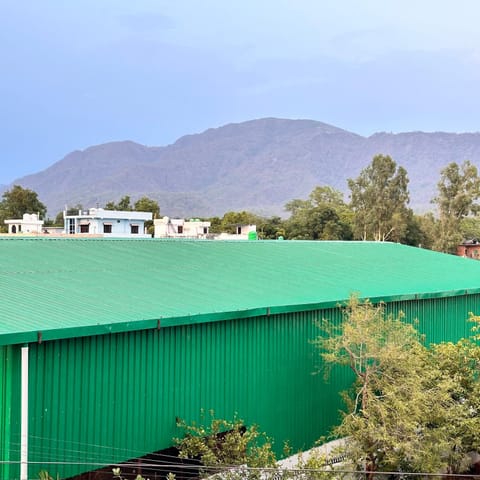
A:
379, 198
458, 192
411, 408
18, 201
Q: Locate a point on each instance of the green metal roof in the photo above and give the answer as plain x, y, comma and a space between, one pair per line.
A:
73, 287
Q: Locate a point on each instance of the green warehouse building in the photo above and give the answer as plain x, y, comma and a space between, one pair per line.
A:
105, 343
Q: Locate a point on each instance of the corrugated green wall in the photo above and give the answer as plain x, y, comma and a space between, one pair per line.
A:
9, 411
109, 398
103, 399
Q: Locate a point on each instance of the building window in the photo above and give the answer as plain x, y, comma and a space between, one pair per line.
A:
180, 229
205, 230
239, 230
71, 226
84, 228
107, 228
134, 229
14, 229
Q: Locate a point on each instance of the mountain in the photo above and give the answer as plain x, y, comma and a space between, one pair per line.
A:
257, 165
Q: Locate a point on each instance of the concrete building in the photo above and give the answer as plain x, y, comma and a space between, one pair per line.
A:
167, 227
29, 224
107, 223
242, 232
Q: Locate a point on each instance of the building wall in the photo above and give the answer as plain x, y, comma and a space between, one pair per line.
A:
470, 251
104, 399
9, 411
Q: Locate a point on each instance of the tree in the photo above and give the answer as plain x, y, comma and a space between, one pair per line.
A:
123, 205
230, 220
411, 408
18, 201
324, 216
145, 204
225, 443
458, 191
379, 198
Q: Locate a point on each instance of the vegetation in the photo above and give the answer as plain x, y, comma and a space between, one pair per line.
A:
219, 443
458, 191
267, 228
324, 216
412, 408
143, 204
18, 201
379, 198
378, 210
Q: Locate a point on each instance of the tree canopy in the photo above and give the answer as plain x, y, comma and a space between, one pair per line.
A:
18, 201
411, 408
458, 192
324, 216
379, 198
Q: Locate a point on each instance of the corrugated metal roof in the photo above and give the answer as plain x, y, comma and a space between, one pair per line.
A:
73, 287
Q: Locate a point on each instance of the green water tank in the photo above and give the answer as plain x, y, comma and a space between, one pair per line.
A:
252, 236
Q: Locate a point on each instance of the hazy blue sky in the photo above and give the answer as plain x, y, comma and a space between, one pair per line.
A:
83, 72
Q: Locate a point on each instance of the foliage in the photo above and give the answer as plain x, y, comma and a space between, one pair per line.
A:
224, 443
379, 198
123, 205
44, 475
324, 216
267, 228
143, 204
470, 227
117, 474
18, 201
458, 191
230, 220
411, 408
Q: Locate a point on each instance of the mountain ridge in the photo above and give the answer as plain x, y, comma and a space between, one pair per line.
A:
256, 165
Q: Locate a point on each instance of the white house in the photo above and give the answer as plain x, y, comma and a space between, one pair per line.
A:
242, 232
167, 227
107, 223
30, 223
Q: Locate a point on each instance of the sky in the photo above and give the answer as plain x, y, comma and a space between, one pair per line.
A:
80, 73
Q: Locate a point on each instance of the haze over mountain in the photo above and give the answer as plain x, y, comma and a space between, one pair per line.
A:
257, 165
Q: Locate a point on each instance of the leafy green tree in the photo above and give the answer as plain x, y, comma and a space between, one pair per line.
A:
225, 443
145, 204
470, 227
379, 198
270, 228
18, 201
231, 220
458, 192
411, 408
324, 216
123, 205
457, 368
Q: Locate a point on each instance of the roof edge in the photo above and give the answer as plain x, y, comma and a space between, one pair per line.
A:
38, 336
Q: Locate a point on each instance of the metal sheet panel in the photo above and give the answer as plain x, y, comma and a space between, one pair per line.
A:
108, 398
9, 412
61, 288
102, 399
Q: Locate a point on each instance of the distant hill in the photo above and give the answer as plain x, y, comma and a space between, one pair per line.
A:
257, 165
